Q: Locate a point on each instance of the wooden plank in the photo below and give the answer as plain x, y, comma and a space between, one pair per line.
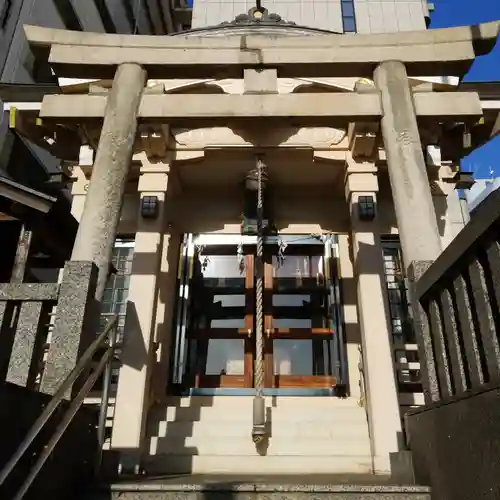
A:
249, 320
314, 381
268, 321
214, 381
301, 333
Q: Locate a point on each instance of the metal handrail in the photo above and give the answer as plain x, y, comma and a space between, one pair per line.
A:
83, 363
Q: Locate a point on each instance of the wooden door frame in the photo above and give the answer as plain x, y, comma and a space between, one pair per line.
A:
202, 380
273, 380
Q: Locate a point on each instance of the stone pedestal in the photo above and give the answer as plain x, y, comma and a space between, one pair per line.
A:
97, 231
415, 212
75, 325
138, 357
378, 368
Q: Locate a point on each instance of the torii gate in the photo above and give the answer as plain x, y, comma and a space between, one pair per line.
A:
387, 58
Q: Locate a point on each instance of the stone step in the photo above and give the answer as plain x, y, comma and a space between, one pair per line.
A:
241, 428
271, 401
243, 413
278, 446
256, 464
234, 490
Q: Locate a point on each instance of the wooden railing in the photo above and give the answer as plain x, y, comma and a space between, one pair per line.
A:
456, 309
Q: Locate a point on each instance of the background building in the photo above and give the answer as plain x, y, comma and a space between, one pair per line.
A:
23, 161
341, 16
17, 65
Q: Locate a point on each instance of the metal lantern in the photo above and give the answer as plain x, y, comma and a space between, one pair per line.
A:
150, 207
366, 208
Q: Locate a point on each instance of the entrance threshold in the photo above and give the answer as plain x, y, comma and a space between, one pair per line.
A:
228, 391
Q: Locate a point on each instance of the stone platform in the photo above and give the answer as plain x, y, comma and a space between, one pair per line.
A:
262, 487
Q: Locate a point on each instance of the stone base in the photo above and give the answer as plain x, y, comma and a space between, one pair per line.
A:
265, 488
456, 446
402, 467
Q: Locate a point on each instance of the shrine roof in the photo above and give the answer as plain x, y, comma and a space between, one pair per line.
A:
256, 22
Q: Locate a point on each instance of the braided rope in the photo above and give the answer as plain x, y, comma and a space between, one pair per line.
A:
259, 288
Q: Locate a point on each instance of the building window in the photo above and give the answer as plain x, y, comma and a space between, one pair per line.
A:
403, 333
116, 292
348, 16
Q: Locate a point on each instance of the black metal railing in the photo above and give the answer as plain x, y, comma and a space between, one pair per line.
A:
456, 309
107, 341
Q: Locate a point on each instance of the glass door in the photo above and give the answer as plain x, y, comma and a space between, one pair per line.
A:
221, 318
215, 326
298, 322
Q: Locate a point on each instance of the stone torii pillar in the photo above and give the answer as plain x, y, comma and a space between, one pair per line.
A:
97, 230
416, 217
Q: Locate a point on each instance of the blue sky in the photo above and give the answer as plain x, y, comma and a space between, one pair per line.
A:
487, 68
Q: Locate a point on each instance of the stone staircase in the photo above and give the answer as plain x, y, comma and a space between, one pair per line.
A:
200, 448
212, 435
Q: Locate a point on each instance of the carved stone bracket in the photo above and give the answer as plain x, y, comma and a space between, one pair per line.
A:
317, 137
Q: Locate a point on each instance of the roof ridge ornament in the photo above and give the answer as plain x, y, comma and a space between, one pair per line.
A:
257, 15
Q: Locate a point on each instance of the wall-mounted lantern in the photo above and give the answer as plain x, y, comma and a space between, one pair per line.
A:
150, 207
366, 208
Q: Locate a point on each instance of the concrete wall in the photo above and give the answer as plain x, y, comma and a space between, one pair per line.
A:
373, 16
456, 446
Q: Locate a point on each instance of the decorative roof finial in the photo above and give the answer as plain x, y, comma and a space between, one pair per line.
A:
258, 15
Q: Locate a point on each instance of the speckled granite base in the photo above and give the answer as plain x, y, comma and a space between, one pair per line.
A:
268, 496
158, 490
74, 326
